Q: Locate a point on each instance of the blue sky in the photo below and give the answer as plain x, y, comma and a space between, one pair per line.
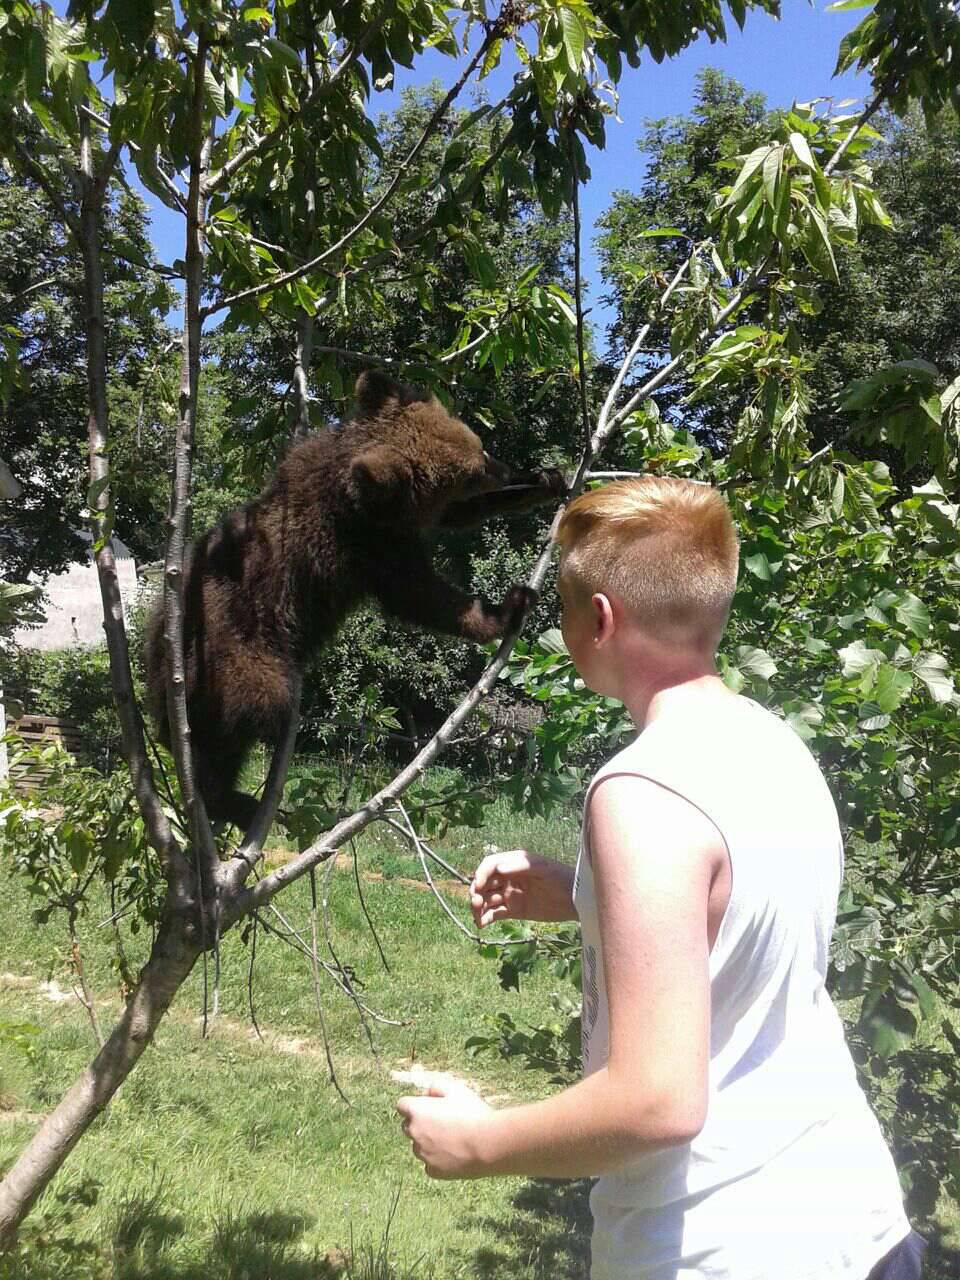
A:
789, 60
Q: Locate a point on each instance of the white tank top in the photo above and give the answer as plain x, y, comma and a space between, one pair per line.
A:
790, 1177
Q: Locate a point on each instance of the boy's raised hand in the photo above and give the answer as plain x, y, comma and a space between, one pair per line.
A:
518, 885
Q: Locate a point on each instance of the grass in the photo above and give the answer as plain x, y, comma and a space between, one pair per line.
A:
235, 1159
232, 1158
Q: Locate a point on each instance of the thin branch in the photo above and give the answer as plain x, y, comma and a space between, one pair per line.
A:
613, 475
301, 373
253, 841
665, 371
388, 255
868, 112
433, 123
208, 862
424, 851
83, 992
420, 846
315, 973
40, 176
341, 968
25, 293
88, 233
578, 284
431, 853
136, 150
294, 938
250, 972
363, 906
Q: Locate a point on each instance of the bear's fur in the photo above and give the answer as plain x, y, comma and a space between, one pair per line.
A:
342, 520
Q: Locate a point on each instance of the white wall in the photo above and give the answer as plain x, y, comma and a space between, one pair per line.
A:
74, 615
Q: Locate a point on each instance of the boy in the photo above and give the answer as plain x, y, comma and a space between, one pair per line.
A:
719, 1105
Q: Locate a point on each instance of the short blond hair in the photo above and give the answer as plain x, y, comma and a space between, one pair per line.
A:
666, 547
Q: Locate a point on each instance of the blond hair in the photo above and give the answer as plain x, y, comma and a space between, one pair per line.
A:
666, 547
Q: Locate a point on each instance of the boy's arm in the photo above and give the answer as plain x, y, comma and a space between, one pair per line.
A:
654, 860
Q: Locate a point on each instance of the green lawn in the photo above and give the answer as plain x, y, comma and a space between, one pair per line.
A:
232, 1158
235, 1158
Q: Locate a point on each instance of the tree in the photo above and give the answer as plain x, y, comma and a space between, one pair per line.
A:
277, 85
43, 414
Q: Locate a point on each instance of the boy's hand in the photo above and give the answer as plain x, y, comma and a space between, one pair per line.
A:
444, 1127
518, 885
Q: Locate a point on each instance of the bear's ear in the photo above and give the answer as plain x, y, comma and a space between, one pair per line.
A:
381, 483
375, 391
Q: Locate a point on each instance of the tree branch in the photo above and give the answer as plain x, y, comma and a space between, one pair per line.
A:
278, 282
868, 112
180, 500
131, 727
25, 293
137, 150
35, 170
578, 292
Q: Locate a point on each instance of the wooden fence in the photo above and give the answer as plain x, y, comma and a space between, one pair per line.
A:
37, 730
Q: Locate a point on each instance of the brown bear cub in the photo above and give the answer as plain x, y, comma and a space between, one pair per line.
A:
341, 521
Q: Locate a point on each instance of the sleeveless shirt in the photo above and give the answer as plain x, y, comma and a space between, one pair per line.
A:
790, 1177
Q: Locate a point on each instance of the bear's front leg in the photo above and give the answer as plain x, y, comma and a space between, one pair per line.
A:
408, 588
524, 491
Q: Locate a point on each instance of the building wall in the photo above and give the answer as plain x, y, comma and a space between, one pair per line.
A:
74, 614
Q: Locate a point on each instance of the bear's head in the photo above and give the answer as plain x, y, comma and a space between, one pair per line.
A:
418, 459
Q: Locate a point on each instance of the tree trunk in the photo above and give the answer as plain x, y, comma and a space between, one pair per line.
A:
171, 960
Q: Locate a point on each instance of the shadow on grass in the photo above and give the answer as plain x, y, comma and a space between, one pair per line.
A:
941, 1261
548, 1235
255, 1246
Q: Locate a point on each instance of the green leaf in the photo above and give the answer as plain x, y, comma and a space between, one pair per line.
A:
660, 231
890, 687
752, 163
886, 1024
574, 37
133, 19
552, 641
801, 149
816, 246
283, 53
492, 58
215, 92
932, 407
756, 662
913, 614
759, 566
934, 670
858, 658
771, 175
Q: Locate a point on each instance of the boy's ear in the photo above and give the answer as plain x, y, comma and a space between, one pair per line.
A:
604, 616
381, 483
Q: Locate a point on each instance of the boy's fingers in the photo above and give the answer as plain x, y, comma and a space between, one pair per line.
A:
495, 913
497, 865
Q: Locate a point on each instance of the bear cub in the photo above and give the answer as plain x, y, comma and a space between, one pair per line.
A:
341, 521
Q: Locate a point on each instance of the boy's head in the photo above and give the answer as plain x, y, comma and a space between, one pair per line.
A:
664, 548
